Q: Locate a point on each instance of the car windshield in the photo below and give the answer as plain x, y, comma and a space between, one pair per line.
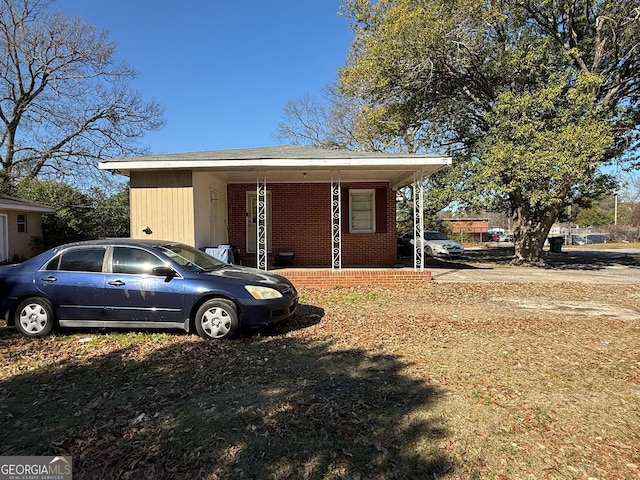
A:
435, 236
190, 258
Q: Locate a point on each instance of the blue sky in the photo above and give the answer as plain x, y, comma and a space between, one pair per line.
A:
223, 70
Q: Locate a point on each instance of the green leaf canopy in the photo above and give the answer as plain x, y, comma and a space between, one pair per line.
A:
530, 97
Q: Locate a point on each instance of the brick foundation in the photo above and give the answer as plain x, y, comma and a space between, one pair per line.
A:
364, 277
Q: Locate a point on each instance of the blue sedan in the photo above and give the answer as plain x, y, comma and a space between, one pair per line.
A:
124, 283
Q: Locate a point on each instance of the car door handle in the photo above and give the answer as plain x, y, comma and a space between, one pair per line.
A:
116, 283
49, 279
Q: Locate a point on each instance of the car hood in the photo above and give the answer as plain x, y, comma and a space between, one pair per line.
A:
248, 274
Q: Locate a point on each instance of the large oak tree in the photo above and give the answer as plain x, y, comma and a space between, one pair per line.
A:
65, 102
530, 97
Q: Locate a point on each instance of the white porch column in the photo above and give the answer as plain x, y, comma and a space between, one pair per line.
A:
262, 221
418, 221
336, 222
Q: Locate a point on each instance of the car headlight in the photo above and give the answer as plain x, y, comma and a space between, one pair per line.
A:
262, 293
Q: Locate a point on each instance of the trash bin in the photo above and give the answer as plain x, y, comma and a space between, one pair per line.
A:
285, 259
555, 244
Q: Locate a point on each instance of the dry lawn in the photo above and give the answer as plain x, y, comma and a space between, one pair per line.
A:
451, 381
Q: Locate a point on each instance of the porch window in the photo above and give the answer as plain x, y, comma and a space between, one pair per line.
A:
22, 223
362, 211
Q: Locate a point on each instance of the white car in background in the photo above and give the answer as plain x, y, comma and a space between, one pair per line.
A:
436, 244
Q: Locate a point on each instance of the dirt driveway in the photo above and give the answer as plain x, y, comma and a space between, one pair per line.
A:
575, 264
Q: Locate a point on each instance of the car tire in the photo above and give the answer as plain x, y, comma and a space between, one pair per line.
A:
217, 318
34, 317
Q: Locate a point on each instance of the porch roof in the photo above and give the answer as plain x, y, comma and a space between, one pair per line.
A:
289, 164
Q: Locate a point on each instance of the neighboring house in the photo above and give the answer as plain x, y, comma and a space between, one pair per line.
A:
20, 221
475, 228
315, 207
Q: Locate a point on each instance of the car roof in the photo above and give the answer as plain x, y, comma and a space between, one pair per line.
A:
425, 231
119, 241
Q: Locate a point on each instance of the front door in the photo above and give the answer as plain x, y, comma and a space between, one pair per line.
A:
252, 221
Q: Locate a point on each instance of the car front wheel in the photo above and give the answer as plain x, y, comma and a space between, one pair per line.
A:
34, 317
217, 318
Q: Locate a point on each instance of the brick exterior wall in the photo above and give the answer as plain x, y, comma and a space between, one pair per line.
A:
301, 223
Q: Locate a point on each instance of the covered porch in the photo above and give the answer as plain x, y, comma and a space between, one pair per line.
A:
329, 209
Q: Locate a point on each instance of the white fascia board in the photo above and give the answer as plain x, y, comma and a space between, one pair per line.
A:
407, 179
392, 163
26, 208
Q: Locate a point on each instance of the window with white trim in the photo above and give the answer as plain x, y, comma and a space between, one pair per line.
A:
362, 217
22, 223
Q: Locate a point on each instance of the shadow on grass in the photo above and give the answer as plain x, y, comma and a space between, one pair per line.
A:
257, 407
591, 259
306, 316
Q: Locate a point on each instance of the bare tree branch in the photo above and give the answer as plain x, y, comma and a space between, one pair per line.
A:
65, 103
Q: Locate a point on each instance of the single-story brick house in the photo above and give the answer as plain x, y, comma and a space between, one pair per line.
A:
314, 207
469, 228
20, 221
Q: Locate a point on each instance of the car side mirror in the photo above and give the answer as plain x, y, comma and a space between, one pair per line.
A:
164, 271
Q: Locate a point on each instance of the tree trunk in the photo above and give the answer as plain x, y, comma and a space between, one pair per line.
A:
531, 227
528, 245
